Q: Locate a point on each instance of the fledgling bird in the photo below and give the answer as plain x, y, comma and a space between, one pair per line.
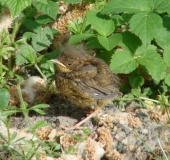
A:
86, 80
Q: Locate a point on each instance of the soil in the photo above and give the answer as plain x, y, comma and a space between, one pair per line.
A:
135, 134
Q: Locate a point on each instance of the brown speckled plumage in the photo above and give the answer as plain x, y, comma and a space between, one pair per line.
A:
86, 80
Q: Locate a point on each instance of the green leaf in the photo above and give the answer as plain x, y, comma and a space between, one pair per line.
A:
31, 25
16, 6
39, 106
20, 139
167, 79
79, 37
73, 1
163, 38
5, 97
9, 113
166, 56
39, 111
152, 61
40, 124
93, 43
51, 8
105, 55
166, 22
47, 67
146, 26
55, 32
110, 42
44, 19
126, 17
123, 62
42, 1
42, 39
136, 81
13, 136
129, 6
136, 92
160, 5
3, 137
130, 41
101, 23
26, 54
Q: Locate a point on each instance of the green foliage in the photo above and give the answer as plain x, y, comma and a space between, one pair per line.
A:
50, 8
5, 97
16, 6
136, 34
132, 36
101, 23
73, 1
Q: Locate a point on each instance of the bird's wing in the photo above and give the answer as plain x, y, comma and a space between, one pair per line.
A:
97, 92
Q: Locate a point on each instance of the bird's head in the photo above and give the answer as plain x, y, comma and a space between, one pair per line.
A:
70, 60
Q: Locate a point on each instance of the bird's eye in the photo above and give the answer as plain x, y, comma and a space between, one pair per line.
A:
69, 64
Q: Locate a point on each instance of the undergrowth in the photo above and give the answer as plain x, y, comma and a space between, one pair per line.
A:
132, 36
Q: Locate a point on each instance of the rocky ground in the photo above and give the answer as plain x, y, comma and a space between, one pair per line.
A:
135, 134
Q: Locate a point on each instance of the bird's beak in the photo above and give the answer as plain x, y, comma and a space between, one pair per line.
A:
58, 62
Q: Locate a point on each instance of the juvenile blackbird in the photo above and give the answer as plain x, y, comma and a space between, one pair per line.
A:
86, 80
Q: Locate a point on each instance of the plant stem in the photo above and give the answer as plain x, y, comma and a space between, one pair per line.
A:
39, 70
23, 107
8, 132
145, 98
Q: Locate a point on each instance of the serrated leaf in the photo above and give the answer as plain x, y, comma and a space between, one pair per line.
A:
26, 54
51, 8
79, 37
152, 61
136, 81
123, 62
5, 97
73, 1
28, 35
42, 39
160, 5
128, 43
146, 26
110, 42
129, 6
101, 23
16, 6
